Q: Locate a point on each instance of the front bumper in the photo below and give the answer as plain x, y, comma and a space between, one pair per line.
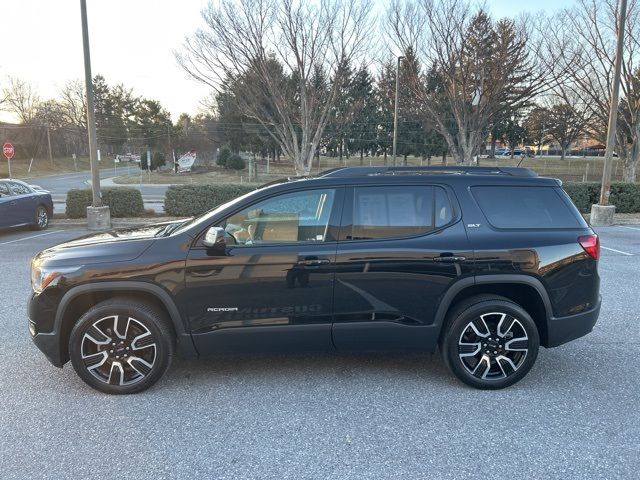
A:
41, 328
49, 344
561, 330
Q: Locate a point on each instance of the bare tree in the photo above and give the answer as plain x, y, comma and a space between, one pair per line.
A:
21, 100
74, 105
476, 68
283, 59
566, 122
586, 34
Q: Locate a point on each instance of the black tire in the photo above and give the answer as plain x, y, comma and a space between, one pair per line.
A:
500, 350
143, 348
41, 220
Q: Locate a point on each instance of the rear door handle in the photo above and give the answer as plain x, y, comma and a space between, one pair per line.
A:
449, 259
311, 262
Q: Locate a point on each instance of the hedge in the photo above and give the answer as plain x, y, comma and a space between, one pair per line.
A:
625, 196
190, 200
123, 202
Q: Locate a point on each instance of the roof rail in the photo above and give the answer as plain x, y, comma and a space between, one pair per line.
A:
461, 170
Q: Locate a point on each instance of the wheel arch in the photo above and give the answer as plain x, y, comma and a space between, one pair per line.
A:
80, 298
526, 291
46, 206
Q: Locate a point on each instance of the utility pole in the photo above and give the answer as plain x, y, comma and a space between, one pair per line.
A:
98, 217
46, 117
602, 213
395, 114
171, 152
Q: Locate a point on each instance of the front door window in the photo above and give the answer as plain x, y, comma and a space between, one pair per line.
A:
289, 218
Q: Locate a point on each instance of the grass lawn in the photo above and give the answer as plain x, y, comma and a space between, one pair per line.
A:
576, 169
41, 166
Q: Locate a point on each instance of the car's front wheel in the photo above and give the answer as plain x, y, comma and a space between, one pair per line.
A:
489, 342
41, 220
121, 346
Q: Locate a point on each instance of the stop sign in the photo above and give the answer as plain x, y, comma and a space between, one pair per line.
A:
8, 150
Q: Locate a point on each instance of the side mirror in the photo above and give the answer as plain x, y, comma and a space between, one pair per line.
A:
214, 238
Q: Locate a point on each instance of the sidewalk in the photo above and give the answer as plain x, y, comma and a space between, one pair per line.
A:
108, 182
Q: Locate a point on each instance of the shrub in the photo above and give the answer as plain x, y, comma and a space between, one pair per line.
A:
190, 200
625, 196
77, 203
223, 156
236, 162
123, 202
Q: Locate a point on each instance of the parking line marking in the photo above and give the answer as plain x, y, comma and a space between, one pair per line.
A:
630, 228
29, 238
617, 251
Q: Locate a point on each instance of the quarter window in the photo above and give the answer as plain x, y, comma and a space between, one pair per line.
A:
292, 217
398, 211
525, 207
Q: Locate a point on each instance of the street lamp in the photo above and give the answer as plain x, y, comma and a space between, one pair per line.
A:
395, 114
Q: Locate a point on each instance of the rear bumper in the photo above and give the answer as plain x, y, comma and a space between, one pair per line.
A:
561, 330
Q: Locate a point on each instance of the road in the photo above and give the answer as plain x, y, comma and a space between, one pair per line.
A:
378, 416
59, 185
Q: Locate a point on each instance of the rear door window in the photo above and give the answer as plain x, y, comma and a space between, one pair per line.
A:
526, 208
398, 211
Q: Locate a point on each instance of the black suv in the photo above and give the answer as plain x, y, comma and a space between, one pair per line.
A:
485, 263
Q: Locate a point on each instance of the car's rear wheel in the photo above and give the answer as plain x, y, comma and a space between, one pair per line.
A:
121, 346
41, 220
489, 342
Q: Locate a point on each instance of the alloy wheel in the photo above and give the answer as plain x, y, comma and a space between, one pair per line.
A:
493, 346
42, 217
118, 350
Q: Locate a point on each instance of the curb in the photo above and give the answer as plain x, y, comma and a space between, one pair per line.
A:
115, 223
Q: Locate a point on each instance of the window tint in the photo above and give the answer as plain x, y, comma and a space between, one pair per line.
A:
4, 190
19, 189
398, 211
525, 207
292, 217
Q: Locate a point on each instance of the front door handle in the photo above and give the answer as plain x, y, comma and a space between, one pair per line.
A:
312, 262
13, 202
449, 259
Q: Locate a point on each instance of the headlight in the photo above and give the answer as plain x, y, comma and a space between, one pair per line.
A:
42, 276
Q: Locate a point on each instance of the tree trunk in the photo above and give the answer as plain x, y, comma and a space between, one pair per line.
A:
629, 170
385, 156
493, 148
405, 160
361, 156
563, 153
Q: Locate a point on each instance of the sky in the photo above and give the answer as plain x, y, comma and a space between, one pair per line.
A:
132, 42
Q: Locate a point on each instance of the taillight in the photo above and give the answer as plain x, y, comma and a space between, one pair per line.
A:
591, 245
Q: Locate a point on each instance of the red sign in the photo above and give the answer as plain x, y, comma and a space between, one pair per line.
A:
8, 150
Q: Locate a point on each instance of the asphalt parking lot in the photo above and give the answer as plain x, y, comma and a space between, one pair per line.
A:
329, 416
